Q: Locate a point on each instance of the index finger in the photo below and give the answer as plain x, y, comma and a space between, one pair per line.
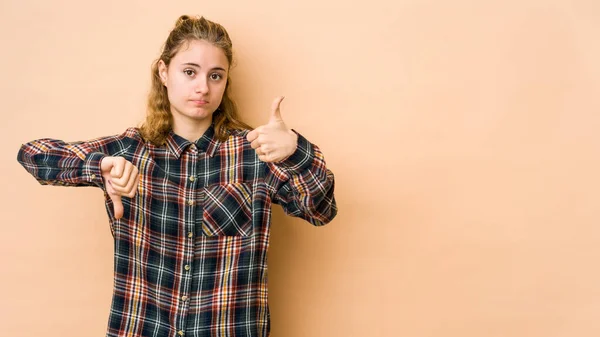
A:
118, 167
252, 135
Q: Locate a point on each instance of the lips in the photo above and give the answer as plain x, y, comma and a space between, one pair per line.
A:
199, 102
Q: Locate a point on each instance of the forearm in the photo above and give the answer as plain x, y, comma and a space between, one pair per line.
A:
303, 184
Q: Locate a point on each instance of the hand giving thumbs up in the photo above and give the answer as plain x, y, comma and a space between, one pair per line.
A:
273, 141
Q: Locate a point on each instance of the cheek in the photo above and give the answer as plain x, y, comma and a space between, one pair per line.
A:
175, 88
219, 90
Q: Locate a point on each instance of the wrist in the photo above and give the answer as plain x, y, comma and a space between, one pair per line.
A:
293, 142
302, 156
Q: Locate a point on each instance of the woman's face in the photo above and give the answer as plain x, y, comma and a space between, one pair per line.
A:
195, 81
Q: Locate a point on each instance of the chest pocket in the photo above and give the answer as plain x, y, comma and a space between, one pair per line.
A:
227, 210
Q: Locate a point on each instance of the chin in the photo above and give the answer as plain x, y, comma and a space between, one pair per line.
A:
201, 113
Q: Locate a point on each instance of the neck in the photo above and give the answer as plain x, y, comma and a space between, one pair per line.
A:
190, 129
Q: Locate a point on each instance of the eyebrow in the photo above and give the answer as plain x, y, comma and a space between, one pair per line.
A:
196, 65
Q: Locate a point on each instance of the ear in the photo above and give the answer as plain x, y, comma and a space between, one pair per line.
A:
162, 72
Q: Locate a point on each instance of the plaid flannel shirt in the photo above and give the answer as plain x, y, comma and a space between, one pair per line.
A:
190, 252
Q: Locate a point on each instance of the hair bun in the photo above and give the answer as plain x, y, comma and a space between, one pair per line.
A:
182, 19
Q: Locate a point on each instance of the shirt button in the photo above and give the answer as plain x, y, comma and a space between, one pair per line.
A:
192, 178
93, 176
191, 202
187, 267
180, 333
184, 298
190, 235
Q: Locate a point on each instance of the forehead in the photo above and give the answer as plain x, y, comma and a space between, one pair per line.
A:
202, 53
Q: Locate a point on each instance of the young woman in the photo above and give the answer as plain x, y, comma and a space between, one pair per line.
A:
189, 195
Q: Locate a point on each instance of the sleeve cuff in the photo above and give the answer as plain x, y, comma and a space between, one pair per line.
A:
301, 159
91, 171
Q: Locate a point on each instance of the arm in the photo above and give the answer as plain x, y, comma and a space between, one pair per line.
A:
296, 176
55, 162
303, 185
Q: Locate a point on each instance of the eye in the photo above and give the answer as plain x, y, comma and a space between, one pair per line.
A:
189, 72
215, 76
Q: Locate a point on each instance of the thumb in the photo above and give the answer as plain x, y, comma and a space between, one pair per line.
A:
117, 205
276, 110
116, 201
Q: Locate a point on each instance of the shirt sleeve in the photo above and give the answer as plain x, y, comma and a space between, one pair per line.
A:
60, 163
303, 185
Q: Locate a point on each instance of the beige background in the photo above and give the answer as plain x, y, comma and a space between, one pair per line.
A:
463, 135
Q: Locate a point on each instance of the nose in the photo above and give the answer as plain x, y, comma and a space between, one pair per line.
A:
201, 86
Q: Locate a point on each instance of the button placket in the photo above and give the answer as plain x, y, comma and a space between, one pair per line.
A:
190, 202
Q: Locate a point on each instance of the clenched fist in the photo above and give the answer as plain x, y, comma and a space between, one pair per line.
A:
120, 179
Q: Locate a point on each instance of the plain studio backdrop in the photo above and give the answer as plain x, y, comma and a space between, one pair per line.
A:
464, 137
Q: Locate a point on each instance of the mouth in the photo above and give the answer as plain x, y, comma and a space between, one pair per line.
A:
199, 102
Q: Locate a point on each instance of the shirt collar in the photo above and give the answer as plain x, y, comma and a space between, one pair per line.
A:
208, 143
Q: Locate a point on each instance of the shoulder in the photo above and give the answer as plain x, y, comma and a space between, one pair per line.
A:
131, 136
239, 133
122, 142
133, 133
238, 137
